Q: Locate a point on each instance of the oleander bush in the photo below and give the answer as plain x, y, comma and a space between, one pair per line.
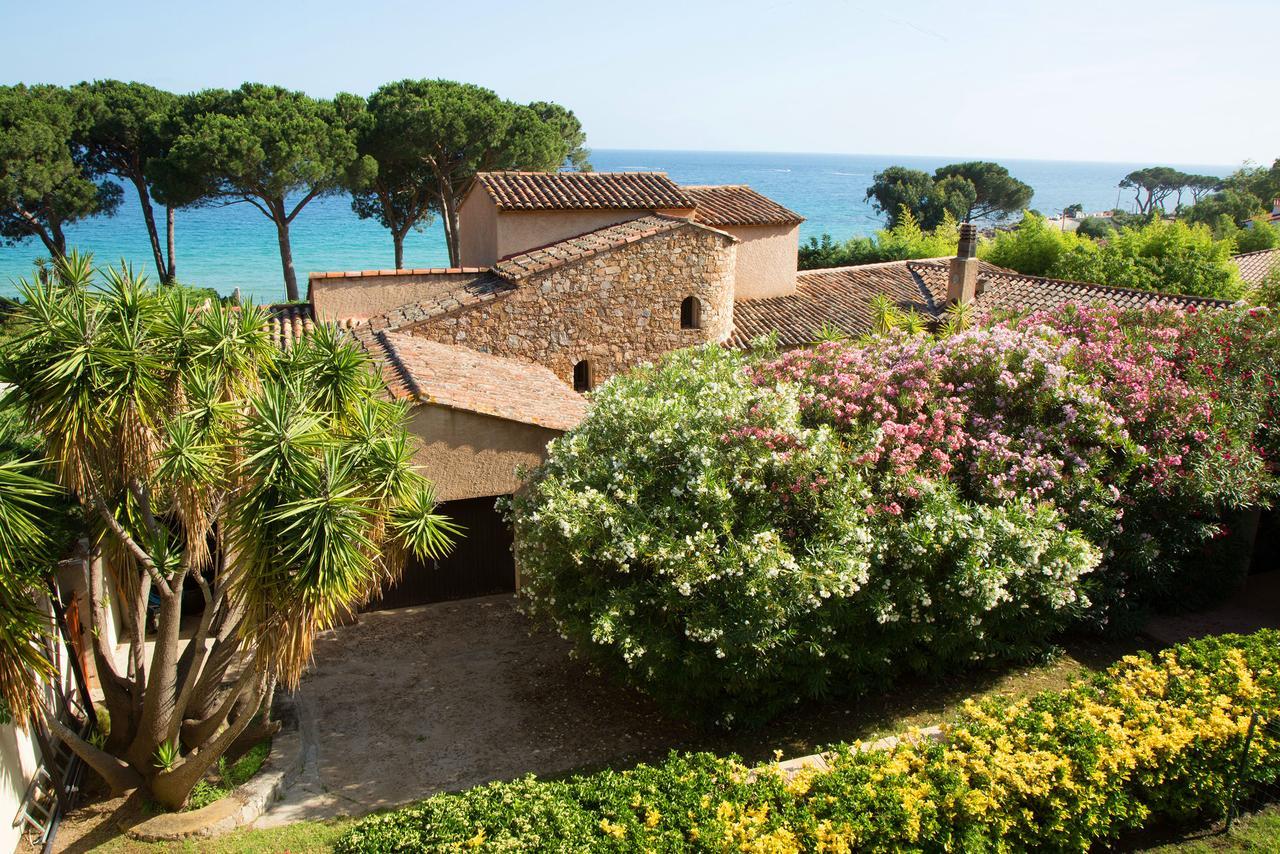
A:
1155, 739
735, 533
710, 538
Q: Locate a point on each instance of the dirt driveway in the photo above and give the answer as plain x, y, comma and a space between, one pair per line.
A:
411, 702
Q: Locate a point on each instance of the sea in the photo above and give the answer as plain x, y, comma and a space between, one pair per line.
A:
234, 246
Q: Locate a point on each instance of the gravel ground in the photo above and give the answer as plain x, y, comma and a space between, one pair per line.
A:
410, 702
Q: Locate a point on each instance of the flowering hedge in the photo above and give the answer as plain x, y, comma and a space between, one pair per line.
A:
1154, 739
705, 536
736, 533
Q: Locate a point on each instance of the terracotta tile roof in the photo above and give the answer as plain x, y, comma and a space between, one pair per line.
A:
481, 289
525, 264
289, 323
737, 204
544, 191
461, 378
841, 297
1013, 292
1254, 266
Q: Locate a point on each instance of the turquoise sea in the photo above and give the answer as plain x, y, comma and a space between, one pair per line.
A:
226, 247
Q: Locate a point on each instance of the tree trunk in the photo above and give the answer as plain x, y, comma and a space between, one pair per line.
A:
286, 259
397, 237
451, 229
149, 217
172, 273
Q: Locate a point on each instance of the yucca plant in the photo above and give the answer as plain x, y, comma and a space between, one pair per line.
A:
279, 485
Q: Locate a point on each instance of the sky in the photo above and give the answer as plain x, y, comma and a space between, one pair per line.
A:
1174, 81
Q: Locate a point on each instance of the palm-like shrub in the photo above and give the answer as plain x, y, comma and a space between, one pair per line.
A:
278, 485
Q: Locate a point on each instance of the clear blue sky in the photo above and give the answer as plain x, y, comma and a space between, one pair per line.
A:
1176, 81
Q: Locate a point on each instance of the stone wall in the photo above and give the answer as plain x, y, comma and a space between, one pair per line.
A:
615, 309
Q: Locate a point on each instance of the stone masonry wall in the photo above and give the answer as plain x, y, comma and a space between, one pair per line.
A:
616, 309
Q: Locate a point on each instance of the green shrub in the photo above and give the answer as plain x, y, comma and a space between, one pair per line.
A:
703, 538
904, 241
1152, 739
1033, 247
229, 776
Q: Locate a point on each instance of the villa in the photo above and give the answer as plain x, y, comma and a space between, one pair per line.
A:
570, 278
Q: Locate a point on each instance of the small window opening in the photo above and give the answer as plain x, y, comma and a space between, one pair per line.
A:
690, 313
582, 376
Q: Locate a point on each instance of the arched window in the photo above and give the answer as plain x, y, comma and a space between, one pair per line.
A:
582, 376
690, 313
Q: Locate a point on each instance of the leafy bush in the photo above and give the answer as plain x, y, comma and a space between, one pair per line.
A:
1033, 247
904, 241
733, 534
707, 534
229, 776
1170, 257
1153, 739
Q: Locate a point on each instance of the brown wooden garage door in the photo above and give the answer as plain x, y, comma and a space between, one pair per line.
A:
479, 565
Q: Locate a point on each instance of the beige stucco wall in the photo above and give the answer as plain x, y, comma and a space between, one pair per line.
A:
361, 297
477, 230
17, 764
468, 455
520, 231
767, 257
615, 309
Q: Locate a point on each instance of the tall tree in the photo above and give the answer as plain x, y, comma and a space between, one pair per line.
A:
275, 149
570, 130
126, 130
44, 184
281, 486
898, 188
997, 194
1151, 186
403, 194
457, 130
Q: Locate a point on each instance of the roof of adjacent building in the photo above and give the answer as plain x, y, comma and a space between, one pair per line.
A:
524, 264
737, 204
1013, 292
841, 298
461, 378
838, 297
1254, 266
540, 191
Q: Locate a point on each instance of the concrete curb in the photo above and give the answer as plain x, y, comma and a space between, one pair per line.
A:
243, 805
789, 768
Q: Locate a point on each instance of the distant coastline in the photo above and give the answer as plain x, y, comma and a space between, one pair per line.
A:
235, 247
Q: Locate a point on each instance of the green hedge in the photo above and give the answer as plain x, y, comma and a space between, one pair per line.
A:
1153, 738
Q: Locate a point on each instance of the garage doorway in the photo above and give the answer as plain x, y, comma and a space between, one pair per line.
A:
481, 563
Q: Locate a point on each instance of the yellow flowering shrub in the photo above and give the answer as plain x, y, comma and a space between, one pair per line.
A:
1155, 737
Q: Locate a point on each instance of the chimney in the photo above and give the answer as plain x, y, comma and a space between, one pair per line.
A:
963, 279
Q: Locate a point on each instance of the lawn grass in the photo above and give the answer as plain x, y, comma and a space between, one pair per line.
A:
1257, 832
304, 837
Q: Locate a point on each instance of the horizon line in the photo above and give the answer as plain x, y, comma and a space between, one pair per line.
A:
1238, 165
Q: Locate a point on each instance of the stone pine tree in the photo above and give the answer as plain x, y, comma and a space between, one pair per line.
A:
45, 183
275, 149
456, 130
403, 195
280, 486
127, 129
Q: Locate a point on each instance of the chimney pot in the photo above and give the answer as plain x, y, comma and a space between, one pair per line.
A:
968, 247
962, 277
